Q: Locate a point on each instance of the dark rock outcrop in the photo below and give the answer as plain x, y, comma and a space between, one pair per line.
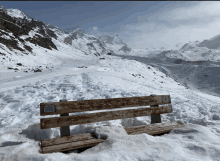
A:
125, 48
43, 42
211, 44
178, 61
37, 70
22, 26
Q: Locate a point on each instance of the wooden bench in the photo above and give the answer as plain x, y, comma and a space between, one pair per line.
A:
67, 142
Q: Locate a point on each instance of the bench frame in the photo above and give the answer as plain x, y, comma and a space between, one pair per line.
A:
67, 142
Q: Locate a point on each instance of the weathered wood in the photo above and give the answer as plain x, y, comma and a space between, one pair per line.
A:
46, 123
153, 129
71, 146
63, 108
64, 131
103, 104
65, 139
156, 118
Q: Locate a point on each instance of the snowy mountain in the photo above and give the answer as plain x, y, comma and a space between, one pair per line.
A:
213, 43
179, 45
194, 51
189, 52
111, 39
22, 37
115, 44
71, 29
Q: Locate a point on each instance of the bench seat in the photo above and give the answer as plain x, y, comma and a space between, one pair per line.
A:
68, 143
153, 129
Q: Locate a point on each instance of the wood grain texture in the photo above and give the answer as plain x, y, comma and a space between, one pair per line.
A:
71, 146
153, 129
102, 104
65, 139
46, 123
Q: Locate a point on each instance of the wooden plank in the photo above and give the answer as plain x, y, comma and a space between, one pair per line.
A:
102, 104
71, 146
46, 123
151, 126
65, 139
153, 129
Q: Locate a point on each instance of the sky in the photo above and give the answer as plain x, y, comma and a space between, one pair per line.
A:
150, 24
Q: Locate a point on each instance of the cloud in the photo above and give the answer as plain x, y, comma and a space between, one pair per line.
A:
166, 25
200, 11
95, 28
165, 29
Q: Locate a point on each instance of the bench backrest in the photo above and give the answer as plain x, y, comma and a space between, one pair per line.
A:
64, 108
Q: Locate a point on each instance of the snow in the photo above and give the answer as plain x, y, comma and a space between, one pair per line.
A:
113, 77
17, 14
21, 93
6, 37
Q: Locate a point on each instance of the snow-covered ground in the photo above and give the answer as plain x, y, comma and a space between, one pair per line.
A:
111, 77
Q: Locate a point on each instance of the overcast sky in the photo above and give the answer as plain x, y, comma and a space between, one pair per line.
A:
139, 24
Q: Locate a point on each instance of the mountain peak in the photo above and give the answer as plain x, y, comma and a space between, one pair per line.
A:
73, 29
17, 13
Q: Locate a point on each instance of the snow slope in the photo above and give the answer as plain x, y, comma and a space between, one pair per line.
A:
111, 77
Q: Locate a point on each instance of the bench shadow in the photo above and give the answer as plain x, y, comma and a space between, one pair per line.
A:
10, 143
34, 132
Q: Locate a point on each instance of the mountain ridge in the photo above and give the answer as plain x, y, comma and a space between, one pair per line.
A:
22, 35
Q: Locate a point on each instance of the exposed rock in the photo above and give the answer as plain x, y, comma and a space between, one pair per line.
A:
2, 54
90, 44
178, 61
96, 54
211, 44
28, 48
68, 40
10, 43
37, 70
82, 67
10, 68
125, 49
19, 64
43, 42
16, 69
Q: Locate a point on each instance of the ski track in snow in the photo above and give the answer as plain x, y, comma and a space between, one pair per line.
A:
112, 78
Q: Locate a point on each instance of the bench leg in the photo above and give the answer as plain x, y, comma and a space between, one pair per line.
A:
156, 118
64, 131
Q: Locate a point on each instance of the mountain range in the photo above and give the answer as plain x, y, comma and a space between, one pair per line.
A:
22, 38
22, 35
